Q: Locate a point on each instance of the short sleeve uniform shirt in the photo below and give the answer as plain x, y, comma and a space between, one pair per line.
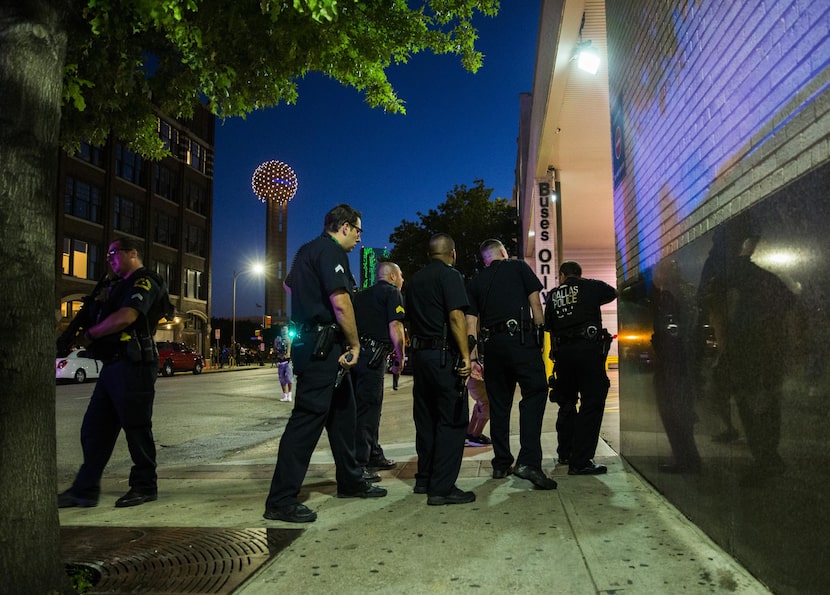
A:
431, 294
501, 291
375, 308
320, 268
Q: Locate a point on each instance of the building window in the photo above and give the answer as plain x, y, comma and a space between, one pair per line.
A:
196, 198
129, 165
165, 232
128, 216
82, 200
91, 154
168, 135
196, 156
193, 284
165, 183
167, 272
80, 259
70, 309
195, 241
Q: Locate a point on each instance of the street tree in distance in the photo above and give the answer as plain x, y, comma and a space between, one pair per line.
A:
469, 216
83, 70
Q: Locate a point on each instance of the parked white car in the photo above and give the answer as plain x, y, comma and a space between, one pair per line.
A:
77, 366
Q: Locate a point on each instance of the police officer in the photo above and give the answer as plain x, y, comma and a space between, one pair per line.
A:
436, 302
580, 345
122, 337
379, 313
320, 282
506, 313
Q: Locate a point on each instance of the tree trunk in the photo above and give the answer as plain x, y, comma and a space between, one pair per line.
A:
32, 55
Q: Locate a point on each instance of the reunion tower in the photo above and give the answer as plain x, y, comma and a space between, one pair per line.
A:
275, 183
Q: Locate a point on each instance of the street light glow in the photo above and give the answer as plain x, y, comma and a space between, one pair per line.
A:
257, 269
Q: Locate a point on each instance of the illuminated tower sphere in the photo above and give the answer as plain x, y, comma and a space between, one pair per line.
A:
275, 184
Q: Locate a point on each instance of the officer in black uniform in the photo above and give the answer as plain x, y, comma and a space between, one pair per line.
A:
122, 337
379, 313
320, 282
436, 302
579, 348
506, 314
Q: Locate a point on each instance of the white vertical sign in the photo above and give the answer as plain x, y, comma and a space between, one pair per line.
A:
544, 243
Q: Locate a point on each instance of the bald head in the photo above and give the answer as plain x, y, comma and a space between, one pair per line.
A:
391, 273
442, 247
492, 250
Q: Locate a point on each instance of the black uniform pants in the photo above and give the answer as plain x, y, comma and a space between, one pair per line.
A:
317, 405
441, 419
580, 370
369, 398
122, 399
506, 363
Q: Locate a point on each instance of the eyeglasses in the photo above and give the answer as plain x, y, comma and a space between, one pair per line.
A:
115, 251
356, 228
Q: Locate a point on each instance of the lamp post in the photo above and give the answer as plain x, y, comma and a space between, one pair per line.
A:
256, 269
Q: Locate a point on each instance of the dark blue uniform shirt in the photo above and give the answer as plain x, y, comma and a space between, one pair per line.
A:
499, 292
575, 304
141, 291
375, 308
431, 294
320, 268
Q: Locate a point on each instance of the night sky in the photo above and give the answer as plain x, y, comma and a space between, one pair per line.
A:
459, 127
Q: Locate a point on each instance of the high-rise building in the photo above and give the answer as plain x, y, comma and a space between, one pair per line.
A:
110, 191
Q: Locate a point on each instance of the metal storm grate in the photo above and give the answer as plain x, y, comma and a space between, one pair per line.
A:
169, 559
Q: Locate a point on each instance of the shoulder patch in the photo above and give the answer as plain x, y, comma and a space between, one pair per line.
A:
143, 283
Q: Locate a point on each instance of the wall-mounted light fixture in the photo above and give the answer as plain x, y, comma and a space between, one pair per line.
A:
585, 54
587, 57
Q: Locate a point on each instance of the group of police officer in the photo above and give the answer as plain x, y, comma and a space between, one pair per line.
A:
499, 320
339, 356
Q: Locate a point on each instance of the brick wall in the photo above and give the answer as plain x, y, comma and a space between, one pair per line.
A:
721, 103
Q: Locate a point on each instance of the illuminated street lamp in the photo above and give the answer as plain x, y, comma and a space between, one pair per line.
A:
256, 269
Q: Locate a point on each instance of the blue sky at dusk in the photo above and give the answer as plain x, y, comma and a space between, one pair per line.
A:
459, 127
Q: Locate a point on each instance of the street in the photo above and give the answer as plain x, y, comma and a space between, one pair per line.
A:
196, 419
235, 415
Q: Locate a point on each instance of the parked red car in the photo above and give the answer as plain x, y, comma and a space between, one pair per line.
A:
178, 357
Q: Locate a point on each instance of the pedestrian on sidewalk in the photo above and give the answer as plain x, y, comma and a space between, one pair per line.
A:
284, 372
480, 414
320, 283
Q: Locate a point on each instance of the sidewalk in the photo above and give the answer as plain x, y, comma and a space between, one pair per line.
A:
603, 534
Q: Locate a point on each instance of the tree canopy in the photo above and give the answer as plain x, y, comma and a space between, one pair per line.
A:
125, 59
469, 216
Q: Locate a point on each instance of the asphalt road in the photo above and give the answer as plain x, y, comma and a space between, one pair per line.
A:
233, 416
197, 419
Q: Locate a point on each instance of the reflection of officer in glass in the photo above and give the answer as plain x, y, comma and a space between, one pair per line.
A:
436, 302
757, 305
506, 308
123, 396
379, 313
673, 309
580, 344
320, 283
